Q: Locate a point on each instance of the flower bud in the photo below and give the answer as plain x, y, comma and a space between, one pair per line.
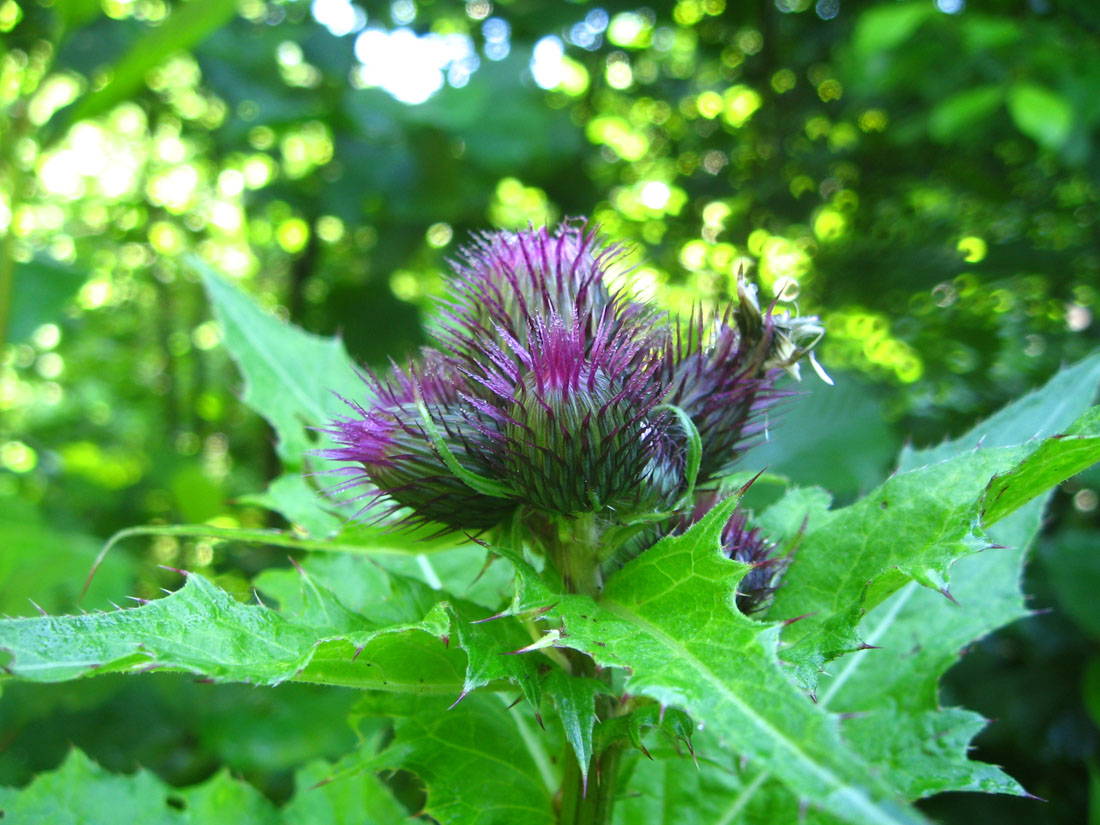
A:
395, 455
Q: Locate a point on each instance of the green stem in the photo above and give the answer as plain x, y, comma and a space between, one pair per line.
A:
576, 553
590, 803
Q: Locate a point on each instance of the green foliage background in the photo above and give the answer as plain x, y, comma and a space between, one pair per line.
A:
930, 179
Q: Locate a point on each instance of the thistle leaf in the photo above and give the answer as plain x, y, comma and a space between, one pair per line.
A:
390, 641
912, 528
80, 791
291, 376
482, 763
890, 695
575, 700
668, 617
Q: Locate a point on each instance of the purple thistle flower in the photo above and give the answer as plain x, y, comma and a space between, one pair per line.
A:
722, 385
577, 430
552, 392
506, 281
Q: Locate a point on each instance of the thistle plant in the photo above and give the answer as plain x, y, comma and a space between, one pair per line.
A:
538, 567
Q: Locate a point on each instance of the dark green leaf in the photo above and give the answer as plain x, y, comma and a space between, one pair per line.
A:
482, 763
1073, 565
807, 453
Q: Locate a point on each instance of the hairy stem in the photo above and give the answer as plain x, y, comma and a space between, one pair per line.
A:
577, 555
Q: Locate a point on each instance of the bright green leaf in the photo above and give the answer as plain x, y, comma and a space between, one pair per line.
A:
201, 629
668, 617
913, 527
291, 376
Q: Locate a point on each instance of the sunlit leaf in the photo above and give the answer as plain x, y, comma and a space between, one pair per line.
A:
912, 528
291, 376
668, 617
201, 629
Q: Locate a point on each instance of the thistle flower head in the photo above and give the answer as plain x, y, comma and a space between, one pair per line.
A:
719, 379
550, 390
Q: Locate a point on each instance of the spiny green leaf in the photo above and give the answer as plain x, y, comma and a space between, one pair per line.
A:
1044, 412
575, 699
1057, 459
668, 617
343, 620
201, 629
384, 597
488, 649
482, 763
80, 792
891, 692
912, 528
